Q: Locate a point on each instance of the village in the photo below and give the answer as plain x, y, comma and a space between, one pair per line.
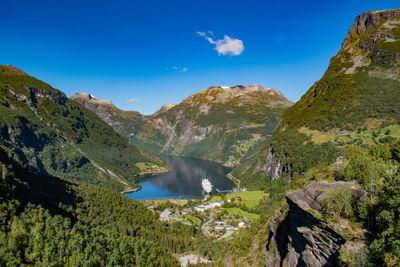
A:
219, 217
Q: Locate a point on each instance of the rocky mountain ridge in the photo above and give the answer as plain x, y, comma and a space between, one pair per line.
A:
359, 90
124, 122
221, 123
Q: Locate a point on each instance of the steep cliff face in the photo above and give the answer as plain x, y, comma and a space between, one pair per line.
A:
360, 89
297, 238
221, 123
274, 166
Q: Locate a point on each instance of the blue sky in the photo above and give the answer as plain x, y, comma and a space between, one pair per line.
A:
143, 54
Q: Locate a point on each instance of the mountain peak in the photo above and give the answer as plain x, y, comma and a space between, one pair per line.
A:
91, 99
14, 69
240, 94
164, 108
248, 87
369, 23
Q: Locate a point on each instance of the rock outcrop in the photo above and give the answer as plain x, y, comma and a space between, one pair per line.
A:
274, 166
297, 238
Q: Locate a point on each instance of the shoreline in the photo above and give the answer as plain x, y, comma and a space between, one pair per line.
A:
235, 180
150, 173
131, 190
142, 175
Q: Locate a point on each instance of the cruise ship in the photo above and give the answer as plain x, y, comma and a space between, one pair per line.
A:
207, 186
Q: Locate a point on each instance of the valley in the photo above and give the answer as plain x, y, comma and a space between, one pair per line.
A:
310, 183
221, 123
183, 180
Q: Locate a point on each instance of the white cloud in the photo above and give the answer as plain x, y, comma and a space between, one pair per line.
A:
132, 100
178, 69
226, 46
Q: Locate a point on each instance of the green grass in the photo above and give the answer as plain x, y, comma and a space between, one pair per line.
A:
394, 130
366, 136
192, 219
142, 165
250, 198
243, 213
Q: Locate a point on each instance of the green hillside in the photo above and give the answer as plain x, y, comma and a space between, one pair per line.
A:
357, 98
42, 129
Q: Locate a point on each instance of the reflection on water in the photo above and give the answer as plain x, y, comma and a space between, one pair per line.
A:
184, 179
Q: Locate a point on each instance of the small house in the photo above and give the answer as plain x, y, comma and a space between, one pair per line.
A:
242, 225
165, 215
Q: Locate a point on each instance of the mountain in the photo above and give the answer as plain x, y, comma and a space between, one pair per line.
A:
44, 131
356, 98
221, 123
125, 123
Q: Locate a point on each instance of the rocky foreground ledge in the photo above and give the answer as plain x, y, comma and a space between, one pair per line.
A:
297, 238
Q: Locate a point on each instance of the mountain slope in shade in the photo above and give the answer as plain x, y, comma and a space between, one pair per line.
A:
44, 130
124, 122
221, 123
359, 93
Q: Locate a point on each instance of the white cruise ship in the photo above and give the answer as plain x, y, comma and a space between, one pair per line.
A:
207, 186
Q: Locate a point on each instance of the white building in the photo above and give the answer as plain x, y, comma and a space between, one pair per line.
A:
164, 216
200, 208
242, 225
216, 204
207, 206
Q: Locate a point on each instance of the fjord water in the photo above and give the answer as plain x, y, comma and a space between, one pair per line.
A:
183, 180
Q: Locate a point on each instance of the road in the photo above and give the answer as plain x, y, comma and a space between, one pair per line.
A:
204, 227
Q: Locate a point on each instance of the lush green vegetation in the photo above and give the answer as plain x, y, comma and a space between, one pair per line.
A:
377, 168
363, 99
43, 129
48, 221
249, 198
247, 246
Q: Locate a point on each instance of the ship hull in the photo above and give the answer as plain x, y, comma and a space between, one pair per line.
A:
207, 186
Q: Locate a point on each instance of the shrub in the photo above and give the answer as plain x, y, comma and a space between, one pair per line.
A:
338, 203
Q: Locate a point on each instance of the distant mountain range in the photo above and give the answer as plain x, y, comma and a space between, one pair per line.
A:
226, 124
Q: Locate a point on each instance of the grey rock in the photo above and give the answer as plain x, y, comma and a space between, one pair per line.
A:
273, 166
298, 238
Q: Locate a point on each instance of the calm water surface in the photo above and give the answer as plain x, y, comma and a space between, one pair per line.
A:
183, 180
